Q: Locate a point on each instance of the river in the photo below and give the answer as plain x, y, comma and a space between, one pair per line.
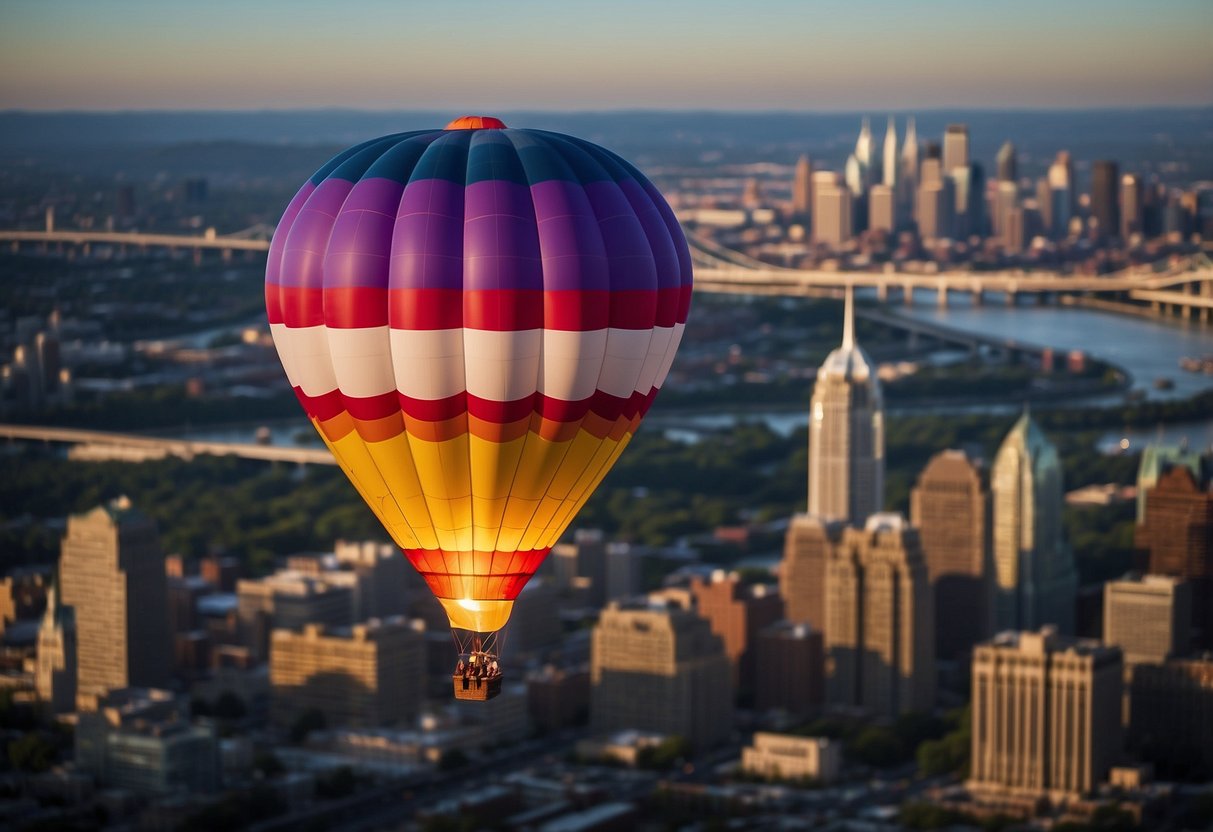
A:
1148, 349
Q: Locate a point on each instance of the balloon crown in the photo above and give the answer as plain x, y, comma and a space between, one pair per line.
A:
476, 123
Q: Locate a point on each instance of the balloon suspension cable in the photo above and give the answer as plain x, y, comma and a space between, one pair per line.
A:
476, 648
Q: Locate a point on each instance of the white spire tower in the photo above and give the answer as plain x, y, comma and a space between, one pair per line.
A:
890, 154
846, 432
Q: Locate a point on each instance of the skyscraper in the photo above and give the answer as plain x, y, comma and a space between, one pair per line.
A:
955, 147
908, 181
1062, 193
831, 210
1105, 181
864, 151
846, 432
950, 507
111, 572
889, 171
1046, 715
1149, 618
1132, 202
1155, 460
55, 664
882, 209
969, 199
1008, 163
791, 669
802, 188
802, 572
1006, 200
855, 176
1035, 578
934, 208
879, 637
1177, 532
660, 670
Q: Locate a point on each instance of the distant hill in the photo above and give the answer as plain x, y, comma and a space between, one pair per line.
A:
1173, 143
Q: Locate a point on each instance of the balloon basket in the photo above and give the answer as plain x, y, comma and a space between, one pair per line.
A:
476, 690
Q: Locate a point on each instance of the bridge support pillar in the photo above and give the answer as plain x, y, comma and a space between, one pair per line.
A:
197, 257
1012, 297
978, 296
226, 254
882, 292
941, 298
908, 293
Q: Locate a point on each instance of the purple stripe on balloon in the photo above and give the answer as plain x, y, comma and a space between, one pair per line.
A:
361, 242
629, 255
665, 258
308, 237
679, 239
273, 265
500, 240
427, 244
569, 240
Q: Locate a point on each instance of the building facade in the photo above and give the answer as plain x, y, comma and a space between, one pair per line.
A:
790, 668
846, 432
879, 628
803, 569
1035, 578
950, 508
367, 675
1046, 715
660, 670
790, 757
737, 612
1149, 618
111, 572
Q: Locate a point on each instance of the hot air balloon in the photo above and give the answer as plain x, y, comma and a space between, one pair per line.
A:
475, 319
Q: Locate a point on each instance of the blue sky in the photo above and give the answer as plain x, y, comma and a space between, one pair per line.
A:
481, 55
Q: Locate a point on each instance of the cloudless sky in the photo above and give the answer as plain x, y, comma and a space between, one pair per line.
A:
718, 54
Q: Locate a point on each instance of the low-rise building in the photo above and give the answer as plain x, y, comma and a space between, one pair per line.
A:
789, 757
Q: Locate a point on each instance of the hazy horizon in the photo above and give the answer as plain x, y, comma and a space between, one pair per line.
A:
532, 54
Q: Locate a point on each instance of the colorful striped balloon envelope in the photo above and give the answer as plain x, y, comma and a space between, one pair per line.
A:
475, 320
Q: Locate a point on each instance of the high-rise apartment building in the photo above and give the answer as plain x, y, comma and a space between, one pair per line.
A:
882, 209
791, 669
1105, 193
950, 507
802, 187
832, 210
803, 569
1170, 720
1063, 197
366, 675
934, 207
111, 572
1132, 205
661, 670
846, 432
1149, 618
879, 637
1177, 534
737, 612
955, 147
1046, 715
1035, 577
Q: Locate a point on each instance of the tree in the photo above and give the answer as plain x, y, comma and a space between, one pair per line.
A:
31, 752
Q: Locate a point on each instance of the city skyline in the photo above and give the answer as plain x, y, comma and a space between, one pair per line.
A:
779, 56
